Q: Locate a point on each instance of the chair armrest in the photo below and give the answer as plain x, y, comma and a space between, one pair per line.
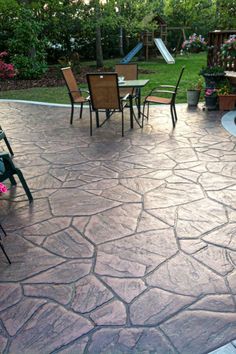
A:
167, 86
125, 98
161, 91
80, 91
4, 155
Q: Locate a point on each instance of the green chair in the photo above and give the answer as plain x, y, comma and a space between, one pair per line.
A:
3, 136
8, 170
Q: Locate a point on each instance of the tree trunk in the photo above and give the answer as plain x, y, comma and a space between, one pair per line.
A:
121, 42
99, 54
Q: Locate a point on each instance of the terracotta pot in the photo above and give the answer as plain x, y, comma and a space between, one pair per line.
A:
227, 102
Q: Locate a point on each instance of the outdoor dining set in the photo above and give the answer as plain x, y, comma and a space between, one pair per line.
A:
114, 91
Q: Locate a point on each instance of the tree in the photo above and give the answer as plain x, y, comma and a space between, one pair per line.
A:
8, 11
27, 45
225, 14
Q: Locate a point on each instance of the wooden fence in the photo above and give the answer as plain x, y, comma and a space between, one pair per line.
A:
215, 41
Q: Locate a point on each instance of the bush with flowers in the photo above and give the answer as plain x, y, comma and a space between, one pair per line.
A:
3, 188
194, 44
211, 92
7, 71
228, 49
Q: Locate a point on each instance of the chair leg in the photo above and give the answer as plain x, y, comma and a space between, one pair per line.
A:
12, 180
8, 146
172, 115
97, 119
148, 110
72, 112
143, 115
122, 123
175, 113
131, 112
91, 120
24, 184
4, 252
1, 244
3, 231
81, 110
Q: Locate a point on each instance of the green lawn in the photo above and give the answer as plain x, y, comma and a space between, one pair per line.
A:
158, 72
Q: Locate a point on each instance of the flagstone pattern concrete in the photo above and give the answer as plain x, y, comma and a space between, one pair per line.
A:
130, 243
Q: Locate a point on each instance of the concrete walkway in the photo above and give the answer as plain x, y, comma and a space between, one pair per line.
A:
130, 244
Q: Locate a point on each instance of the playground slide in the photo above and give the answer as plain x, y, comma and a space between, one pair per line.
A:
164, 51
131, 54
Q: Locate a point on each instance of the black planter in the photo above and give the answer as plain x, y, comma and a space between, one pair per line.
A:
211, 102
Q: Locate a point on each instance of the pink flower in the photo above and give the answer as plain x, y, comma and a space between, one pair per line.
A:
3, 54
210, 92
3, 188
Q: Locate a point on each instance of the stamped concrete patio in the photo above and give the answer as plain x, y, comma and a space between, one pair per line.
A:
130, 244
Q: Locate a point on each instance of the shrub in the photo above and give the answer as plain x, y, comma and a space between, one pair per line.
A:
7, 71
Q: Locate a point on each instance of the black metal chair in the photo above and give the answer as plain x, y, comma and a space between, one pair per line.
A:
3, 136
75, 93
171, 91
8, 170
105, 97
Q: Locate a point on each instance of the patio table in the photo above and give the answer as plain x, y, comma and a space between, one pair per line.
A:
137, 84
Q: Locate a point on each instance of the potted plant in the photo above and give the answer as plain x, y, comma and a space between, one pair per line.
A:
211, 98
228, 49
194, 44
227, 99
193, 92
213, 75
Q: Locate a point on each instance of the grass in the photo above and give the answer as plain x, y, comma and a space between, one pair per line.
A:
158, 73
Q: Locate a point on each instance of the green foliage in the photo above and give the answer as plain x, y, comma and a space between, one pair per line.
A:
28, 68
224, 90
197, 14
27, 46
225, 14
212, 70
228, 49
196, 85
8, 11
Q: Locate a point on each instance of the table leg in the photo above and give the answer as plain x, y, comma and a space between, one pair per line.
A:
139, 104
131, 112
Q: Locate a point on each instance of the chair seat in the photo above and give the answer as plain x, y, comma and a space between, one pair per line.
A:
155, 99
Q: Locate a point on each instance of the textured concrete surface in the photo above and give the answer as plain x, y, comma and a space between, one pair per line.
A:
130, 244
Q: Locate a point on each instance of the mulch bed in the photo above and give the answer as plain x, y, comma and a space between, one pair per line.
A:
52, 78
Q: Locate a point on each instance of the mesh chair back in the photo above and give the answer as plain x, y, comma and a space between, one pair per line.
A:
71, 82
130, 72
104, 91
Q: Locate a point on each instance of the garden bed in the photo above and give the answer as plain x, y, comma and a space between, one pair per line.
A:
52, 78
